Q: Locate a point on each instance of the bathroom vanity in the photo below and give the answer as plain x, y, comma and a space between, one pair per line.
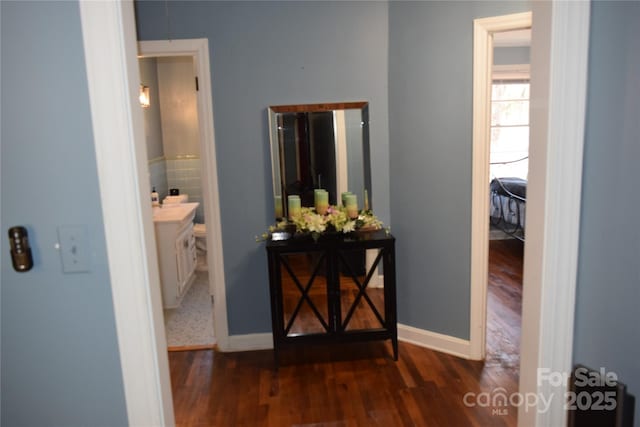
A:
176, 250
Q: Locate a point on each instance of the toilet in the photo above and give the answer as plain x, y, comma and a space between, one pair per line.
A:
199, 232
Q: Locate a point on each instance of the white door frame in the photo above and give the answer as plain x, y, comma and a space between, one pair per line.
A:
560, 40
559, 64
109, 36
198, 49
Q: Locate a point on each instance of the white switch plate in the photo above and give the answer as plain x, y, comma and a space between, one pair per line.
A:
74, 248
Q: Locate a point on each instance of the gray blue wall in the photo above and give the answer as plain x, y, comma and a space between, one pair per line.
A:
430, 92
60, 362
274, 53
608, 290
511, 55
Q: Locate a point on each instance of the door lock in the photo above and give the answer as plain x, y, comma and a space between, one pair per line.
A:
21, 257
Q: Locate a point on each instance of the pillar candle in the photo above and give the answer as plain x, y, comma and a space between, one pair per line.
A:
321, 201
278, 206
293, 205
352, 205
344, 197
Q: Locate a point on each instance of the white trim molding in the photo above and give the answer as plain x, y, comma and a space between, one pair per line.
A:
511, 72
198, 49
434, 341
250, 342
483, 30
109, 36
420, 337
560, 45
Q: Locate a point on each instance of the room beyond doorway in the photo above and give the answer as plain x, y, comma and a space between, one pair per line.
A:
198, 49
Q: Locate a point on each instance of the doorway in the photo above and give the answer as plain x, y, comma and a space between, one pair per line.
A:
174, 160
508, 177
178, 55
484, 30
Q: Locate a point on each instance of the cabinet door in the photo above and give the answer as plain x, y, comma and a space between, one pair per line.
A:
304, 293
362, 293
185, 257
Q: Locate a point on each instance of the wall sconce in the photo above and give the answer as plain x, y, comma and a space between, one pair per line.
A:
144, 96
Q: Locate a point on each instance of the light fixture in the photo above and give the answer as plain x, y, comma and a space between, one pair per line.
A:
144, 96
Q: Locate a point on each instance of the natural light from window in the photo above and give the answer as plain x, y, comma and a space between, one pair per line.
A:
509, 130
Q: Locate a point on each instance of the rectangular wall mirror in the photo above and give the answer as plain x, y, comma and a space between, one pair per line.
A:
319, 146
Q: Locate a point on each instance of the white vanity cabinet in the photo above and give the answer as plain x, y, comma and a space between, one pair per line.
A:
186, 258
176, 251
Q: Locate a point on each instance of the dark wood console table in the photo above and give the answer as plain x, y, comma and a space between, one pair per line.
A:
322, 291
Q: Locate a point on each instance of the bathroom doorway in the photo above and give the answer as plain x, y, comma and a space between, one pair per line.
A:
181, 159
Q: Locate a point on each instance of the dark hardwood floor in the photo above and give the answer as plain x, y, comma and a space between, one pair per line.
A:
504, 304
360, 384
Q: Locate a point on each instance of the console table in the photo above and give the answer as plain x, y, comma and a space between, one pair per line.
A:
340, 288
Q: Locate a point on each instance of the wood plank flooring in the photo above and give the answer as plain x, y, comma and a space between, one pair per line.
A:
359, 384
504, 304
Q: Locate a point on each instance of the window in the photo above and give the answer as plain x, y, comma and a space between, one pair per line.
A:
509, 129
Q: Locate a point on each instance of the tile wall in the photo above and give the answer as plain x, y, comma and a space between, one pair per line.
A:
183, 173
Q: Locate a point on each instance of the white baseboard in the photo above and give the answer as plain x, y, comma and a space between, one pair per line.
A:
420, 337
435, 341
247, 342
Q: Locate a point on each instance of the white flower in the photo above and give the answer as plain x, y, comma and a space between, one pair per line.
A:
349, 226
315, 223
309, 221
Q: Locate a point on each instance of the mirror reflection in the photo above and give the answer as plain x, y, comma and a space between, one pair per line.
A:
319, 146
305, 303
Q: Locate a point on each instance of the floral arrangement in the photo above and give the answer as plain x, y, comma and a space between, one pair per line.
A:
335, 219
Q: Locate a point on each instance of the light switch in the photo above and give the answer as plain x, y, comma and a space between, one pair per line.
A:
74, 248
